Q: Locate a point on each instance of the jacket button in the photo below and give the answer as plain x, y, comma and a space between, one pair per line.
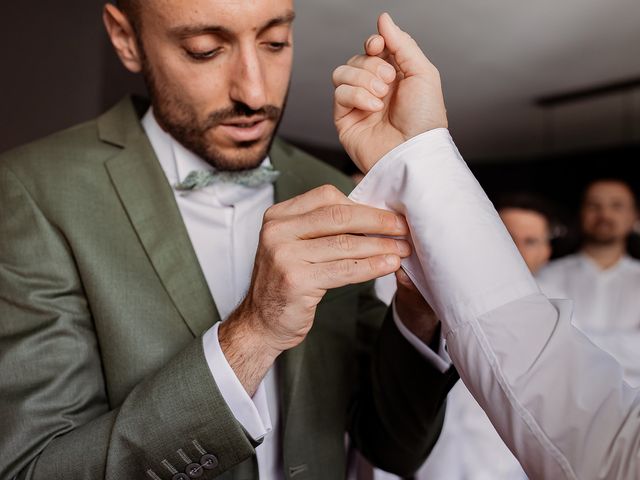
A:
209, 462
194, 470
180, 476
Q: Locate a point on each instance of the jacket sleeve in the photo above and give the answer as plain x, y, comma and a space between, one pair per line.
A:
557, 401
398, 408
55, 418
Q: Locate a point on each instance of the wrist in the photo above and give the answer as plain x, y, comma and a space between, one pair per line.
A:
422, 322
246, 351
243, 332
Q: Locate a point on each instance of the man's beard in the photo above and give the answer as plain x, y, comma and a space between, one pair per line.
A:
182, 124
602, 237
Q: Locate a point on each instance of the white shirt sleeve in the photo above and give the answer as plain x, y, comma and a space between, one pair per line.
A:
558, 402
252, 413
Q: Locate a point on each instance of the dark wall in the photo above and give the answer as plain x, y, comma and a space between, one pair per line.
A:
58, 68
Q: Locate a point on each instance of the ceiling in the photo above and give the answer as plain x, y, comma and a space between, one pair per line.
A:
495, 57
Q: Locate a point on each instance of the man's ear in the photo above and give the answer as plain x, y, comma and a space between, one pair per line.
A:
123, 37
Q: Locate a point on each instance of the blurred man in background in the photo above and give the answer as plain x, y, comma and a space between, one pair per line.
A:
602, 279
529, 220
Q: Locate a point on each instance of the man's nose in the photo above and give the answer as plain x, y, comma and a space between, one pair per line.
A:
247, 82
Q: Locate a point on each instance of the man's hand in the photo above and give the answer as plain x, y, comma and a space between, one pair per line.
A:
387, 96
308, 245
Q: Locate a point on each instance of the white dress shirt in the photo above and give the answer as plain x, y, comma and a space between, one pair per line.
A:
223, 222
606, 304
559, 402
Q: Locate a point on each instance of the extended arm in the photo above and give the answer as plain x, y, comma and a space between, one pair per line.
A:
558, 402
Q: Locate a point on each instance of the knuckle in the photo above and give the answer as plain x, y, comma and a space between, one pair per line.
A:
279, 253
342, 91
269, 214
362, 96
386, 220
375, 264
329, 192
269, 232
345, 268
345, 242
335, 76
339, 214
353, 59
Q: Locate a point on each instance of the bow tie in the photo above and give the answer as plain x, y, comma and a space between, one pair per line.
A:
253, 178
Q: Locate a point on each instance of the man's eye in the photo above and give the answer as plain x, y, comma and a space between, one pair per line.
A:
204, 55
277, 46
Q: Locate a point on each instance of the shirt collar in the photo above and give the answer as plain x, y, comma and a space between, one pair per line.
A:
589, 263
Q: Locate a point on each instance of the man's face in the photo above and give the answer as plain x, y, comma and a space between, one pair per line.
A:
218, 73
608, 213
530, 233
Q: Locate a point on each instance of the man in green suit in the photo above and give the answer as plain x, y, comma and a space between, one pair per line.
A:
116, 269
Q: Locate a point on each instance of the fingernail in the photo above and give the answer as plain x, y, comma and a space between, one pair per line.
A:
391, 260
401, 223
387, 72
379, 86
376, 104
390, 18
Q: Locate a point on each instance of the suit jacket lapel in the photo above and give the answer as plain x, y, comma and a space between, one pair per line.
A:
153, 212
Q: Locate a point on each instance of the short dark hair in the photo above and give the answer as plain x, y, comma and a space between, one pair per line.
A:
534, 203
611, 179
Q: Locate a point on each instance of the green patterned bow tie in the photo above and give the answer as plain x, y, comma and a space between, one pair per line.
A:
253, 178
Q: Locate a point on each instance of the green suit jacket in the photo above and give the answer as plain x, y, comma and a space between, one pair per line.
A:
102, 308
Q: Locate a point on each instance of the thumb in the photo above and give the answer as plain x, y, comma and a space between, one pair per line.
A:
408, 55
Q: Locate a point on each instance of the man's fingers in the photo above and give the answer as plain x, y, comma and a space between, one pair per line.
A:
376, 65
359, 77
338, 219
346, 272
408, 55
347, 98
346, 246
307, 202
374, 45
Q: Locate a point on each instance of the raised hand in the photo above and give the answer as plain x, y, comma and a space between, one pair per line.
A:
386, 96
308, 245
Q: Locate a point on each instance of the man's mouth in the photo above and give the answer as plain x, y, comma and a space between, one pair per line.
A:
245, 129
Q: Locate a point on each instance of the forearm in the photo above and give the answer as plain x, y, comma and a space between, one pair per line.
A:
245, 349
178, 409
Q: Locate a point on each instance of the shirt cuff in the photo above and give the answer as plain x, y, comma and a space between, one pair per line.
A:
439, 360
252, 413
427, 181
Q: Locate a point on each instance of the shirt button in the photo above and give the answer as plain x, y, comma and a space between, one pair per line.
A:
180, 476
209, 462
194, 470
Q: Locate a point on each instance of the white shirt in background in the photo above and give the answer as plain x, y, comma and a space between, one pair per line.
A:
606, 304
